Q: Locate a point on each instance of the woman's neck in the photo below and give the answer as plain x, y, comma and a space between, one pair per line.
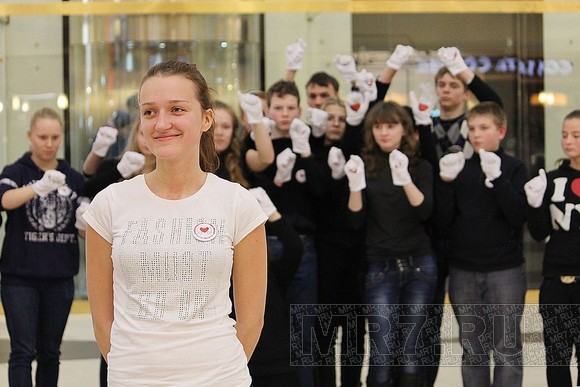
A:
43, 164
173, 182
575, 163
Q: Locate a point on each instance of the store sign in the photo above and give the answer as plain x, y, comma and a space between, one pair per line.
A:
505, 65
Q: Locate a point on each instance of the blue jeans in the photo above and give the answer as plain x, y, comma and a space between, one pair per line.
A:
489, 308
302, 290
398, 293
36, 315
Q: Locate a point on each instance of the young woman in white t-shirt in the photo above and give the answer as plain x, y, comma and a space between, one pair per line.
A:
161, 249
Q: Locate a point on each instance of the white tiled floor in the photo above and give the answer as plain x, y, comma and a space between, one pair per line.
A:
84, 371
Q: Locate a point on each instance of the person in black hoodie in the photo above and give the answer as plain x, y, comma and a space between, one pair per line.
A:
270, 363
482, 202
554, 213
40, 254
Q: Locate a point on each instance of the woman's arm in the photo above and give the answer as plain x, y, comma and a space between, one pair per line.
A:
260, 158
249, 278
100, 287
16, 197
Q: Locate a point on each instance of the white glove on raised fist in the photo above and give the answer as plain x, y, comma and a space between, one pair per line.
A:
451, 165
490, 165
355, 173
400, 56
536, 188
295, 54
106, 136
422, 107
81, 223
336, 163
356, 107
300, 134
268, 125
284, 164
130, 163
346, 65
264, 200
399, 163
251, 105
318, 119
51, 180
451, 58
365, 82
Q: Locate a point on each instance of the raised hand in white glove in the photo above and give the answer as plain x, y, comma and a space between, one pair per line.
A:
81, 223
400, 56
251, 105
106, 136
284, 164
130, 163
300, 134
490, 165
336, 163
451, 58
450, 165
346, 65
536, 188
355, 173
365, 82
421, 107
318, 119
399, 163
356, 107
264, 200
268, 125
51, 180
294, 54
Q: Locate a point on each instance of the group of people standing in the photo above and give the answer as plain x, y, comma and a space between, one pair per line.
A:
205, 231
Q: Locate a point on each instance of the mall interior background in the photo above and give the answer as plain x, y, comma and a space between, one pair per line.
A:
96, 64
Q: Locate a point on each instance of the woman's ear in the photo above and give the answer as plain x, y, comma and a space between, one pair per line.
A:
208, 118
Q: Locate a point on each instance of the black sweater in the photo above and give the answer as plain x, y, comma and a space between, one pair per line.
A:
486, 224
559, 218
295, 199
41, 239
394, 228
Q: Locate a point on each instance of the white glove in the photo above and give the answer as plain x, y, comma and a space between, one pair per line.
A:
356, 108
264, 200
536, 188
400, 56
365, 82
130, 163
51, 180
451, 58
450, 165
295, 54
251, 105
300, 133
355, 173
336, 163
284, 164
399, 163
421, 110
318, 119
490, 165
81, 223
106, 136
345, 65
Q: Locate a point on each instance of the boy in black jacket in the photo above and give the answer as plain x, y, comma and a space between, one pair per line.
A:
482, 201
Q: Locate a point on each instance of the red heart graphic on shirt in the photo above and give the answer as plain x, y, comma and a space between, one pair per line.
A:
576, 187
204, 229
355, 107
423, 107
